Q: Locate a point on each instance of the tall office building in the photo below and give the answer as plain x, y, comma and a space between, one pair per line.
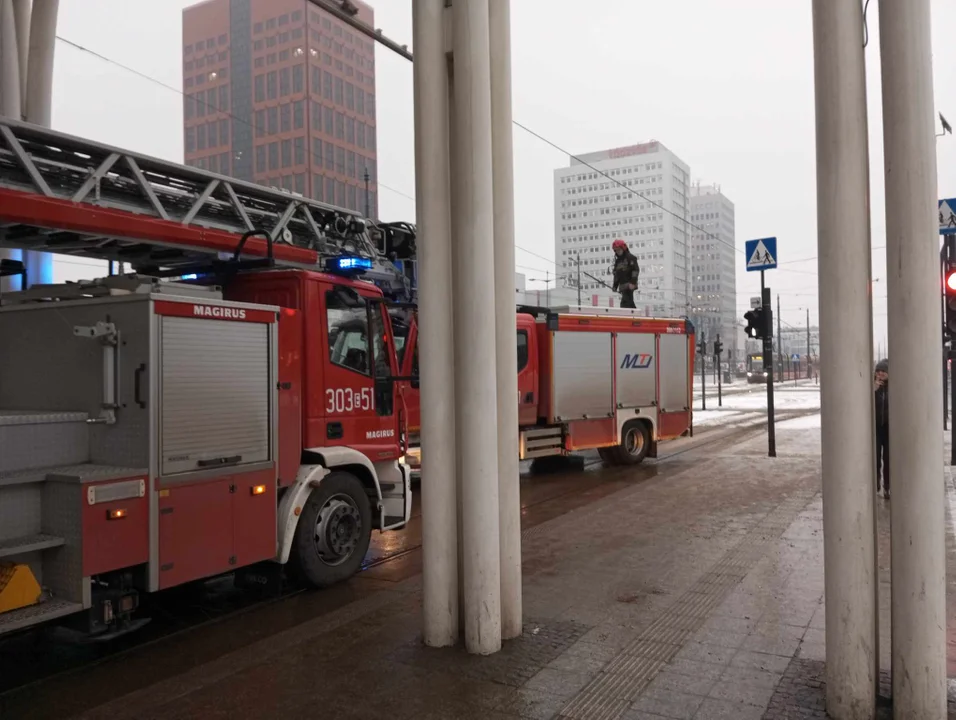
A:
638, 194
714, 265
282, 93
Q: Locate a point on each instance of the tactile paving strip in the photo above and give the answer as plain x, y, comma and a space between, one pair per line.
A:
613, 690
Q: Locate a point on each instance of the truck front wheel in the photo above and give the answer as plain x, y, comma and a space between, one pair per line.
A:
333, 532
635, 443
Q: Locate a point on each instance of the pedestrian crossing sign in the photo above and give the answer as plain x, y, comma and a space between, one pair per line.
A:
761, 254
947, 217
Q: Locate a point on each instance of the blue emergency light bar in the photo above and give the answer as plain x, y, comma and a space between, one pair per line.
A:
348, 265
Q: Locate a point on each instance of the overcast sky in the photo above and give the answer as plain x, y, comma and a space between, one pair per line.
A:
727, 85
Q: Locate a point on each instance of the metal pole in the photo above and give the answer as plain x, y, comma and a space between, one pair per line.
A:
720, 397
918, 519
475, 331
547, 287
808, 343
703, 373
768, 365
846, 374
952, 389
368, 204
779, 338
439, 496
579, 279
509, 497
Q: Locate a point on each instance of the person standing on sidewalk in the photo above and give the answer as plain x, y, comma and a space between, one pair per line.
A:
626, 273
882, 426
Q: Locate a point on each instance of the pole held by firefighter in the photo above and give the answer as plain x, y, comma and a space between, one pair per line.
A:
506, 342
439, 495
918, 516
846, 376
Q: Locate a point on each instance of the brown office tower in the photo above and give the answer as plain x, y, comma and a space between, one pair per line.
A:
282, 93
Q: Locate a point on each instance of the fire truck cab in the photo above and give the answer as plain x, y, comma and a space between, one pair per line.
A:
589, 378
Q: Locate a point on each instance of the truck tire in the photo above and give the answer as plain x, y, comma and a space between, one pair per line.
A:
635, 443
333, 532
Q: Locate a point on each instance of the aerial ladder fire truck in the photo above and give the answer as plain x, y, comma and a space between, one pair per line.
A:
230, 403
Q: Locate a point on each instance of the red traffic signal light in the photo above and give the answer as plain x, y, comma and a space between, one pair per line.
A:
951, 282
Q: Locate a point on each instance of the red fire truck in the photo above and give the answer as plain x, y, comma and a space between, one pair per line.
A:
605, 378
231, 402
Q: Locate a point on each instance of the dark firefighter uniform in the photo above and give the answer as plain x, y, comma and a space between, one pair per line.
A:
626, 272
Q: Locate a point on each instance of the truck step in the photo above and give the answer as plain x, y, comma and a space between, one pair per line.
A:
36, 614
29, 543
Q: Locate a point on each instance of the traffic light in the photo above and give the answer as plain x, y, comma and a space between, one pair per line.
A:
702, 347
949, 289
756, 323
718, 347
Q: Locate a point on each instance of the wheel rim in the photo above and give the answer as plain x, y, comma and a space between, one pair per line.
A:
337, 530
634, 442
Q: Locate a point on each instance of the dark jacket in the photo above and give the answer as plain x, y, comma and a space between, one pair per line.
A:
626, 270
882, 409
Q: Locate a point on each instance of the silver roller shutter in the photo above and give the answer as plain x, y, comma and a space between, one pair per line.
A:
215, 393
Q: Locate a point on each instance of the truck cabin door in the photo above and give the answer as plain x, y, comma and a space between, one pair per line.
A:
360, 392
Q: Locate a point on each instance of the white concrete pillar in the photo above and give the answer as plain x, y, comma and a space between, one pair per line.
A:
9, 101
477, 417
509, 497
21, 11
9, 63
439, 494
916, 441
39, 105
846, 377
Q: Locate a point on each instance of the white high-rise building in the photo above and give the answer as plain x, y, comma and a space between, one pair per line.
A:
714, 265
639, 194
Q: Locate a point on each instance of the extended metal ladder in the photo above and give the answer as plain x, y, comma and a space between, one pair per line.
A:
63, 194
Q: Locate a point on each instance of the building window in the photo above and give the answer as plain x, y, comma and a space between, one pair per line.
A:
285, 84
224, 98
284, 56
214, 163
360, 101
284, 38
330, 191
327, 86
351, 198
211, 100
300, 183
360, 134
190, 139
223, 132
298, 110
298, 78
189, 107
339, 126
316, 80
300, 150
317, 188
260, 83
329, 116
274, 156
283, 19
224, 163
317, 152
261, 159
273, 119
222, 39
260, 123
338, 90
330, 163
340, 163
260, 62
285, 118
340, 193
271, 41
316, 116
350, 164
349, 96
271, 85
200, 137
286, 153
350, 131
257, 28
297, 16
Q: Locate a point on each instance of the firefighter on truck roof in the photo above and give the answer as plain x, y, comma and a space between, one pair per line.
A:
626, 273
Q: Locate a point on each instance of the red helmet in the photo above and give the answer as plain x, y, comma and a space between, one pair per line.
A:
619, 244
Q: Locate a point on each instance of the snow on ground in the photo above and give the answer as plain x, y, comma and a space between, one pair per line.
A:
806, 422
786, 397
704, 418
